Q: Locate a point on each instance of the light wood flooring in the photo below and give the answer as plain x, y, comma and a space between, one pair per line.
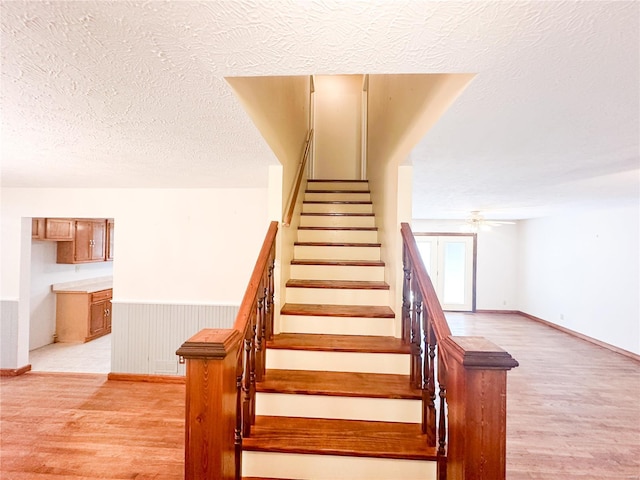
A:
573, 414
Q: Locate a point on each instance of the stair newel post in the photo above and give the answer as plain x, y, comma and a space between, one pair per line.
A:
211, 404
406, 297
477, 406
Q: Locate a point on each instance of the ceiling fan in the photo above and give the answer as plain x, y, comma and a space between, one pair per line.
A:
476, 222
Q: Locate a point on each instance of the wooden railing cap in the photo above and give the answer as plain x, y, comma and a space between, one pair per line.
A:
478, 353
211, 343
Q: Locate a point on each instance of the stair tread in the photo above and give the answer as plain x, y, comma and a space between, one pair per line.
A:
319, 180
344, 384
317, 310
339, 202
336, 191
336, 244
337, 343
341, 229
339, 437
338, 214
338, 284
338, 263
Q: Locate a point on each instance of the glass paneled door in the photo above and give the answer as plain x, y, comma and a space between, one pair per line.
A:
449, 260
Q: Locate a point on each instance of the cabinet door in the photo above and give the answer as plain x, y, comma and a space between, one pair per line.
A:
108, 317
110, 232
58, 229
97, 323
84, 238
97, 243
37, 228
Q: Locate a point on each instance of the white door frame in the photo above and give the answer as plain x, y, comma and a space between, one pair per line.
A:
437, 263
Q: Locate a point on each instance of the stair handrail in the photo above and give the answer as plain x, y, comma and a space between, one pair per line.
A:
295, 188
223, 366
468, 426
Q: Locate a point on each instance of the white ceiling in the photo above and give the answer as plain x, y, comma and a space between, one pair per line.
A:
132, 94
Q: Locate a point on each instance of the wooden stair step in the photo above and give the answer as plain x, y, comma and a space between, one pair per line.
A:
338, 214
335, 244
338, 202
337, 191
321, 436
338, 284
341, 229
319, 180
316, 310
337, 343
339, 263
343, 384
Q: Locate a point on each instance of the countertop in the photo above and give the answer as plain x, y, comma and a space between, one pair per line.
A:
89, 285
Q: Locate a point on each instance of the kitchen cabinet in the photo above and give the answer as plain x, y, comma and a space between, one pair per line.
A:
55, 229
83, 315
110, 232
88, 244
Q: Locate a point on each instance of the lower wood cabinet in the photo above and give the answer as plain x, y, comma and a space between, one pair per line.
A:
83, 316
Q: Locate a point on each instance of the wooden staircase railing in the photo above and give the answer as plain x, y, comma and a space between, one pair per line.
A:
465, 415
223, 366
293, 196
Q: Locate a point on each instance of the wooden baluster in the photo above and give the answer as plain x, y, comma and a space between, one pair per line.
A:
270, 297
406, 298
237, 434
429, 392
442, 427
260, 330
252, 384
416, 337
246, 379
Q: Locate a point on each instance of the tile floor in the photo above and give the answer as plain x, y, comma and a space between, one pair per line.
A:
90, 357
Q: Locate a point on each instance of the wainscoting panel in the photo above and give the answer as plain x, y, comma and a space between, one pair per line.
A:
9, 334
145, 337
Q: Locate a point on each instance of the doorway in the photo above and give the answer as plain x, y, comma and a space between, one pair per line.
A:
450, 260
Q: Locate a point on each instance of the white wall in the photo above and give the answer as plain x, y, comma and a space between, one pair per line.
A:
497, 262
581, 271
174, 246
44, 273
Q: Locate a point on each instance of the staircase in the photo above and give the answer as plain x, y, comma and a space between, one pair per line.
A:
336, 400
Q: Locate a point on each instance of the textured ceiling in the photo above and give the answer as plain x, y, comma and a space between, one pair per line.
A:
132, 94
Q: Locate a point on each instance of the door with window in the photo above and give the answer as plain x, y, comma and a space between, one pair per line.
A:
450, 262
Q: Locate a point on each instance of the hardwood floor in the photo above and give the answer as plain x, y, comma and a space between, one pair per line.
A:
573, 414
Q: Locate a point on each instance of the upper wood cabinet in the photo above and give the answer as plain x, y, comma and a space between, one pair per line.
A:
110, 232
89, 243
56, 229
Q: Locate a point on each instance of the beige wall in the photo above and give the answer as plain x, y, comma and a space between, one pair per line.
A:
401, 109
338, 126
279, 107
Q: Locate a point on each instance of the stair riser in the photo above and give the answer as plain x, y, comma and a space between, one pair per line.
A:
337, 272
339, 236
345, 408
335, 253
332, 196
338, 361
337, 296
336, 221
337, 208
337, 325
328, 185
331, 467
